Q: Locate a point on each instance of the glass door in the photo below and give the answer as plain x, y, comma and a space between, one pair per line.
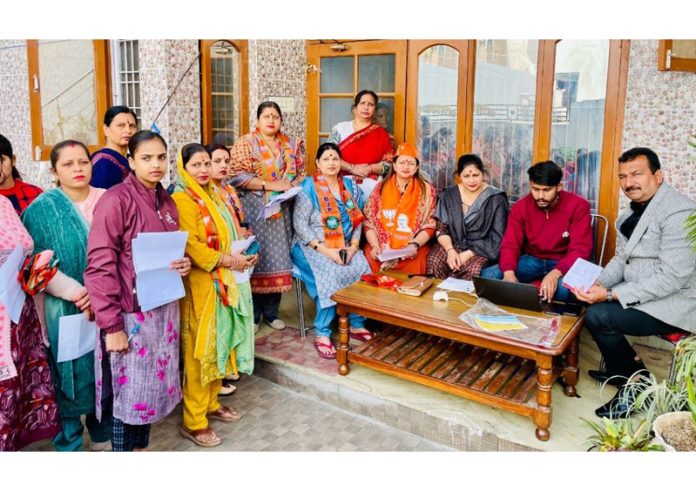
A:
337, 71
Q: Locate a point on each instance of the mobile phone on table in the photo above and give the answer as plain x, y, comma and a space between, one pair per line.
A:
252, 249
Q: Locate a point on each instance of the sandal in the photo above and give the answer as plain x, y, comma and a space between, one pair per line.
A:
205, 437
361, 335
325, 350
226, 414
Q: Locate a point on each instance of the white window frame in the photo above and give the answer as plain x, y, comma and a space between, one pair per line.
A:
119, 82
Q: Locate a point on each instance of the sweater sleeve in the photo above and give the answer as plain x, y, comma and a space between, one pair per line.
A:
513, 239
202, 256
101, 276
580, 237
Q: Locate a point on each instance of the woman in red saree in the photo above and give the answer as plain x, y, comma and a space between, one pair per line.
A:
366, 147
399, 215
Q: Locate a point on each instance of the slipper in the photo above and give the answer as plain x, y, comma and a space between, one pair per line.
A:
318, 345
362, 335
226, 414
195, 437
226, 388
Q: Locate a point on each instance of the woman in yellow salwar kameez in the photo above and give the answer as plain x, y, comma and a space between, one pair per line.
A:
211, 339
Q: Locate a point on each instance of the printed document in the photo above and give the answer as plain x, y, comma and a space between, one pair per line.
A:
241, 246
581, 275
76, 336
389, 254
455, 285
273, 205
11, 294
155, 283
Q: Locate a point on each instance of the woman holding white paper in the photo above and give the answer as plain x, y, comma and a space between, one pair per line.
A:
28, 405
264, 164
220, 160
216, 313
59, 220
142, 347
399, 215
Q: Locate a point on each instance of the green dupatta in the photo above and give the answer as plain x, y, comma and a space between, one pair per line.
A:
54, 223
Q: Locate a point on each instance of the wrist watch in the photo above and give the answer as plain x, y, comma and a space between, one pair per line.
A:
610, 297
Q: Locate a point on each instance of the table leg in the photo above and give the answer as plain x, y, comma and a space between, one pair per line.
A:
343, 341
542, 413
570, 371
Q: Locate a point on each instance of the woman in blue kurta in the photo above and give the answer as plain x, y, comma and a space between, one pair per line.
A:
111, 162
326, 220
59, 220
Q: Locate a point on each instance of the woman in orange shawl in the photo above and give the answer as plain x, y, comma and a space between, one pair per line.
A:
366, 147
399, 215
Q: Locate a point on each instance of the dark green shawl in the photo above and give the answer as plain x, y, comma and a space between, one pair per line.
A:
54, 223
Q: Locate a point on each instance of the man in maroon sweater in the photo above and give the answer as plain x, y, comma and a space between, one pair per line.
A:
547, 231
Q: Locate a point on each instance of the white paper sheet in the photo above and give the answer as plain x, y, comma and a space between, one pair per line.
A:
581, 275
155, 283
367, 185
273, 206
455, 285
76, 337
240, 246
389, 254
11, 294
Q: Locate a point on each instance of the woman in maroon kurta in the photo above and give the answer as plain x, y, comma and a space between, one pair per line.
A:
143, 347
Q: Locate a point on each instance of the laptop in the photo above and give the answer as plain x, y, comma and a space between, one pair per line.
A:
520, 296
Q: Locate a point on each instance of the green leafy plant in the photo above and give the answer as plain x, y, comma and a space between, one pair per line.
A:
619, 435
691, 401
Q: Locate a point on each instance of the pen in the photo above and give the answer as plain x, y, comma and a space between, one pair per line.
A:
135, 331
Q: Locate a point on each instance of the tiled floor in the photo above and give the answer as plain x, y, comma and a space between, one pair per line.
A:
277, 419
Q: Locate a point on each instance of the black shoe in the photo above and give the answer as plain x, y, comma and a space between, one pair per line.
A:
620, 405
600, 376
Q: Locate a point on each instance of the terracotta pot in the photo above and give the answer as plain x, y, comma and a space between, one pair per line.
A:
664, 420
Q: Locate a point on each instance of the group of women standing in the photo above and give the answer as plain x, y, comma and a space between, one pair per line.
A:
132, 379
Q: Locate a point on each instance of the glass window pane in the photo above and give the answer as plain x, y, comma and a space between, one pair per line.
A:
225, 111
66, 68
376, 73
504, 98
684, 48
384, 115
579, 98
437, 113
334, 110
336, 75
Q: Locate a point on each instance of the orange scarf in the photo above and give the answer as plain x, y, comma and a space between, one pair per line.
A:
331, 215
399, 211
229, 196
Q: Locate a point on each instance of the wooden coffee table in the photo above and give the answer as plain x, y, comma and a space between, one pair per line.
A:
425, 342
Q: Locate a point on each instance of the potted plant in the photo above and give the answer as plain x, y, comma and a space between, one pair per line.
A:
619, 435
677, 430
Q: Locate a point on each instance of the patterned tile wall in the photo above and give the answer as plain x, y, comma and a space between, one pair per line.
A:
660, 114
15, 119
162, 64
277, 68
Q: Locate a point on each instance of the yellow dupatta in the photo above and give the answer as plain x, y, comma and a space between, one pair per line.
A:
205, 349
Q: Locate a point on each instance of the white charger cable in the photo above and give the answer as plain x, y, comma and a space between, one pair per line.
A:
442, 295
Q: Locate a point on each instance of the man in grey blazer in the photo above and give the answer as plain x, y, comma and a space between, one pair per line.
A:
649, 286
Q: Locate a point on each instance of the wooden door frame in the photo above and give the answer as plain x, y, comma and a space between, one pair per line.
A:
242, 47
465, 88
612, 141
317, 50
